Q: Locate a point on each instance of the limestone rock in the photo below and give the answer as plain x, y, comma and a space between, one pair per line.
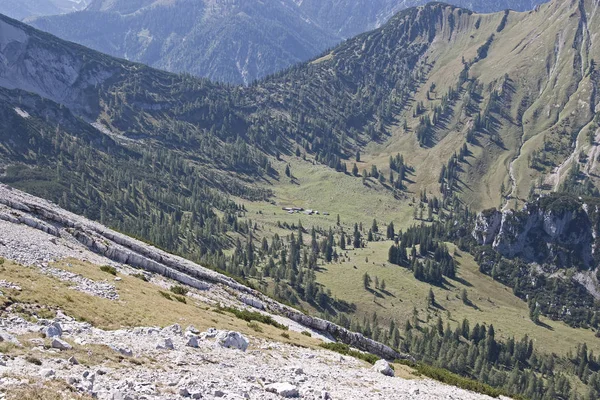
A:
60, 344
209, 334
383, 367
192, 342
191, 331
232, 340
47, 373
165, 344
125, 351
286, 390
7, 337
174, 329
53, 330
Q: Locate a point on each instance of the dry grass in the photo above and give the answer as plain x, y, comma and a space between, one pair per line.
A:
51, 390
140, 303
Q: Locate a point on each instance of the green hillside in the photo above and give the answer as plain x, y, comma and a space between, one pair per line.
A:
423, 123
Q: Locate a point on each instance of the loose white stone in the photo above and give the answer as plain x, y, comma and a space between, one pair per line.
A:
383, 367
283, 389
232, 340
60, 344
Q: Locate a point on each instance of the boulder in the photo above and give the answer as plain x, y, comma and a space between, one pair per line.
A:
53, 330
165, 344
286, 390
117, 395
60, 344
7, 337
232, 340
209, 334
47, 373
383, 367
174, 329
125, 351
72, 360
192, 342
191, 330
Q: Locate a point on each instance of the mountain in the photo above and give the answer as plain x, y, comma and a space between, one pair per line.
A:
349, 18
229, 41
358, 186
233, 41
22, 9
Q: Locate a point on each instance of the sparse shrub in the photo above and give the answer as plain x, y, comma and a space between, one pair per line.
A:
447, 377
46, 313
140, 276
33, 360
1, 261
179, 290
109, 270
180, 299
255, 326
307, 333
285, 335
69, 298
347, 351
165, 295
250, 316
6, 347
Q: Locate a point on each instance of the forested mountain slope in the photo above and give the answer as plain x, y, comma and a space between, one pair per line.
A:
427, 83
398, 137
230, 41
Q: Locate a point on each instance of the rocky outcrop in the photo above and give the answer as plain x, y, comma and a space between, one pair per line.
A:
232, 340
49, 218
554, 230
384, 368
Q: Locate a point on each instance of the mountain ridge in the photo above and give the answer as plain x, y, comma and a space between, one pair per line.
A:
238, 42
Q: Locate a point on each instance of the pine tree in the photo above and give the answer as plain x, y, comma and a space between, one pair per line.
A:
464, 297
367, 280
430, 298
375, 227
390, 234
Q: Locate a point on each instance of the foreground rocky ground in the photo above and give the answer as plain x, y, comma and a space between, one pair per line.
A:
51, 263
173, 363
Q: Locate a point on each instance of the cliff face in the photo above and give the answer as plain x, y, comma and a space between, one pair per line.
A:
559, 231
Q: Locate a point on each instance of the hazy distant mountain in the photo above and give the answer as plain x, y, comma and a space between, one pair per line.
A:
234, 41
348, 18
22, 9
